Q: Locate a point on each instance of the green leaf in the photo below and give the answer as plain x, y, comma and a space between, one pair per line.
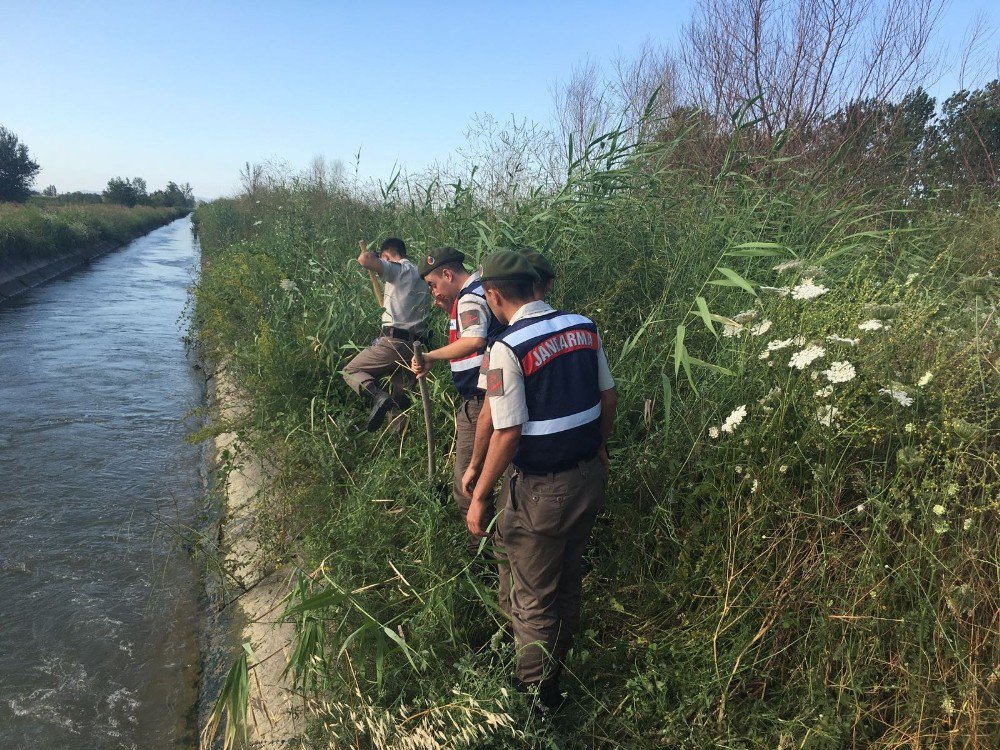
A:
401, 643
709, 366
679, 349
735, 279
379, 658
326, 598
706, 316
759, 252
760, 246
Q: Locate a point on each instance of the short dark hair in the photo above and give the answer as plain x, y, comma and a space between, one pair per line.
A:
395, 244
455, 266
513, 290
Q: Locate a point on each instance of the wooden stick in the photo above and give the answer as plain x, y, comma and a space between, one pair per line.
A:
418, 354
375, 286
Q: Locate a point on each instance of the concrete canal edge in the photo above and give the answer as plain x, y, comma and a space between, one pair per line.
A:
276, 714
26, 274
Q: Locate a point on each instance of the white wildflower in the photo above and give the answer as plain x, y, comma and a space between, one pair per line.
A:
808, 290
826, 415
764, 354
841, 340
910, 427
289, 286
814, 375
761, 328
871, 325
860, 508
788, 265
258, 223
713, 432
900, 395
734, 419
911, 278
925, 378
781, 291
779, 344
840, 371
825, 392
754, 487
783, 468
803, 358
743, 317
732, 330
967, 524
939, 510
738, 469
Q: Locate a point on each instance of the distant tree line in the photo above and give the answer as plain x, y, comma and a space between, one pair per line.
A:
132, 192
18, 171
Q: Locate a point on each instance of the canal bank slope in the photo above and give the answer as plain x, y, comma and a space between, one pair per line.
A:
275, 712
37, 246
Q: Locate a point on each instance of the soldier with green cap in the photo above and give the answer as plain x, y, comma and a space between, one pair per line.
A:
484, 427
471, 324
553, 404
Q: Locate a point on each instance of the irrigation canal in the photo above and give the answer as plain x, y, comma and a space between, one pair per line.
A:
99, 602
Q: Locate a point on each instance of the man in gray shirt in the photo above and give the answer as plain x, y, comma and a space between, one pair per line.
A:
407, 305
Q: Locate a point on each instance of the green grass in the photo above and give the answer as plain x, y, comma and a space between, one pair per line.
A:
29, 232
787, 584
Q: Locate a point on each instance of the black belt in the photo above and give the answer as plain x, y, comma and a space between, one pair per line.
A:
556, 468
401, 333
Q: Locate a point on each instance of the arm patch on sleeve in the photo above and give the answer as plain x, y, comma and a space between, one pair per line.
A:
494, 382
469, 318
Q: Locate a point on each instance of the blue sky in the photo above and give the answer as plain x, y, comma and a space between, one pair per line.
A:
191, 91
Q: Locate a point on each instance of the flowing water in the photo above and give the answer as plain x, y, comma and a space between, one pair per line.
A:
99, 599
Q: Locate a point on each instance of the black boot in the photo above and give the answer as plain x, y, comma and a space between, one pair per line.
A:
546, 697
381, 404
550, 698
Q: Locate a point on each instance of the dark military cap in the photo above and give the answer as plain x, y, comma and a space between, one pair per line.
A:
437, 258
508, 265
539, 262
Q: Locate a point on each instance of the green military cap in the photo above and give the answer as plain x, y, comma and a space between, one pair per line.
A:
508, 265
539, 262
437, 258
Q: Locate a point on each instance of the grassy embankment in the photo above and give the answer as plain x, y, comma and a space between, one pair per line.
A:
29, 233
822, 574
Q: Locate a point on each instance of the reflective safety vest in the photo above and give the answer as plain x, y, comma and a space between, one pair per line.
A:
465, 370
558, 356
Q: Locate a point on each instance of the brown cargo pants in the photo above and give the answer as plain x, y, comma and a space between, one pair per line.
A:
385, 358
465, 437
545, 530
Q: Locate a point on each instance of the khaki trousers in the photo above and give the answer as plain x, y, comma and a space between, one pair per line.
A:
499, 551
545, 530
385, 358
465, 437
